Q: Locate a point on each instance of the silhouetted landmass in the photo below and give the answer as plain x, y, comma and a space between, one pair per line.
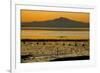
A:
56, 23
72, 58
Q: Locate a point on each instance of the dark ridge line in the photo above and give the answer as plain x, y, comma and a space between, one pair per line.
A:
72, 58
56, 19
52, 40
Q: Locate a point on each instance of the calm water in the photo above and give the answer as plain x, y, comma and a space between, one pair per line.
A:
29, 34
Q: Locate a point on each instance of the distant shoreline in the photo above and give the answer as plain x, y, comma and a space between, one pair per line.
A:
55, 29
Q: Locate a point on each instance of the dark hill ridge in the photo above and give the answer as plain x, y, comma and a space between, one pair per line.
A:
56, 23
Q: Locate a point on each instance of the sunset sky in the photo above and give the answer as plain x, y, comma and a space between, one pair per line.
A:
32, 15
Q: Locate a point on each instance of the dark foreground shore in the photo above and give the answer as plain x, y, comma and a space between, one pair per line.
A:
72, 58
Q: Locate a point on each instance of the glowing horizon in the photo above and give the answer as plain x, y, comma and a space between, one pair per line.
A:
33, 15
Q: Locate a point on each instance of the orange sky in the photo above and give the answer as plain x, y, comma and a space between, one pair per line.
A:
32, 15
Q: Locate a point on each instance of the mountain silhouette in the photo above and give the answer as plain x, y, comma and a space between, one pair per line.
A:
56, 23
